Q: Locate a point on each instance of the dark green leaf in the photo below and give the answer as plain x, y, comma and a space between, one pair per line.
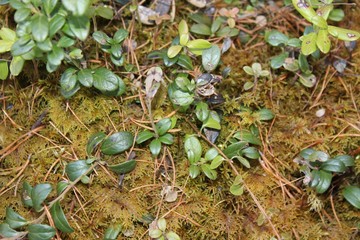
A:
234, 149
251, 152
193, 149
243, 161
167, 139
211, 58
116, 50
7, 232
202, 111
16, 65
40, 232
303, 64
333, 165
213, 121
275, 38
4, 70
144, 136
80, 26
265, 114
348, 160
185, 62
124, 167
201, 29
352, 195
14, 219
16, 4
200, 17
227, 32
104, 12
194, 171
216, 24
163, 126
65, 42
78, 7
85, 77
22, 46
45, 46
247, 136
117, 143
277, 61
337, 15
94, 140
105, 80
61, 186
39, 194
101, 37
155, 147
26, 194
68, 79
321, 180
40, 28
181, 98
59, 218
76, 169
55, 24
210, 173
294, 42
70, 93
112, 232
22, 14
56, 55
120, 35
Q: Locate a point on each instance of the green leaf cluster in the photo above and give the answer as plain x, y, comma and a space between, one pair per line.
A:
159, 135
101, 78
113, 46
319, 169
206, 164
157, 230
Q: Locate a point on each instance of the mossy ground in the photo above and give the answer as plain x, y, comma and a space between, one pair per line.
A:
204, 209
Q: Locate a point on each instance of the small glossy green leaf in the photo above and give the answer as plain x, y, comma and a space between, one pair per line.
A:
116, 50
251, 152
308, 45
59, 218
211, 154
105, 80
202, 111
94, 140
185, 62
163, 126
243, 161
216, 24
76, 169
155, 147
38, 195
40, 28
211, 58
155, 233
323, 41
144, 136
344, 34
210, 173
183, 27
200, 17
40, 232
352, 195
7, 232
321, 180
14, 219
248, 70
337, 15
247, 136
26, 194
71, 92
117, 143
45, 46
333, 165
181, 98
348, 160
78, 7
104, 12
161, 223
120, 35
22, 46
112, 232
56, 55
216, 162
265, 114
55, 24
294, 42
194, 171
80, 26
68, 79
173, 51
234, 149
193, 149
184, 39
65, 42
237, 190
277, 61
275, 38
22, 14
4, 70
227, 32
303, 64
308, 80
172, 236
101, 37
61, 186
201, 29
167, 139
124, 167
85, 77
213, 121
49, 6
198, 44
